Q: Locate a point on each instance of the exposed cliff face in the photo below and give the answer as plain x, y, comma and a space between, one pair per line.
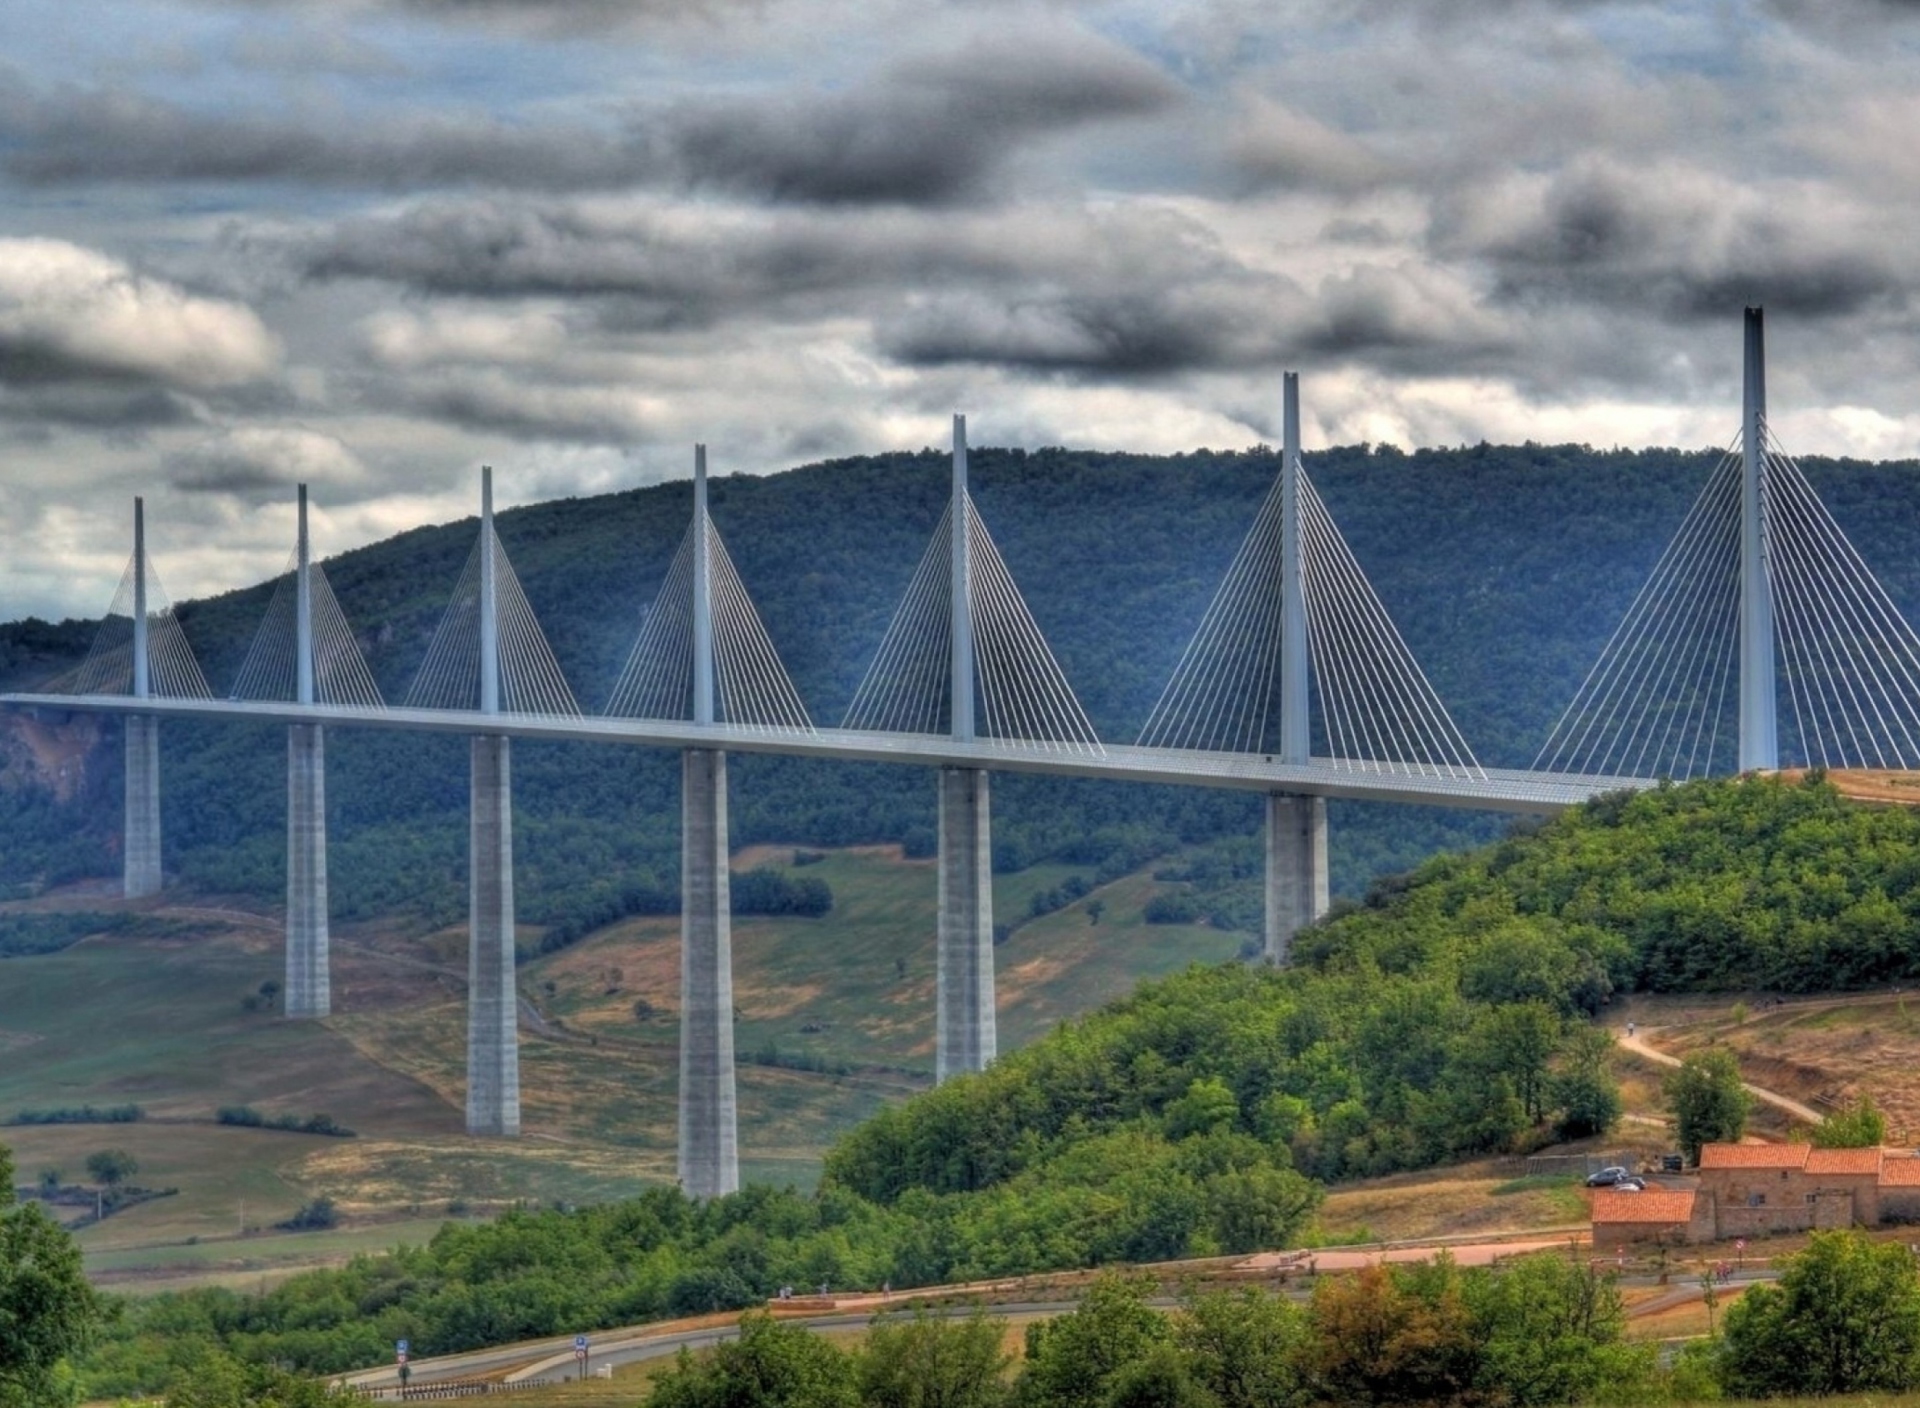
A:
52, 754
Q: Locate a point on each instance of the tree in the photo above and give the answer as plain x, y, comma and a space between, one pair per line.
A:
1550, 1331
1858, 1126
1259, 1208
1073, 1360
1391, 1335
1518, 1040
1208, 1104
1710, 1104
1241, 1345
929, 1363
1581, 1087
769, 1366
315, 1215
217, 1380
112, 1167
1160, 1378
48, 1312
1844, 1318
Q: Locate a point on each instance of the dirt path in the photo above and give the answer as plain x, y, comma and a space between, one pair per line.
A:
1637, 1044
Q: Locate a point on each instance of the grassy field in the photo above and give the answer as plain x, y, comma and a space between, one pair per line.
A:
166, 1023
1823, 1051
1466, 1198
855, 988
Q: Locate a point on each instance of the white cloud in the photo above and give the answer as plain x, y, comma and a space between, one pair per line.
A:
67, 311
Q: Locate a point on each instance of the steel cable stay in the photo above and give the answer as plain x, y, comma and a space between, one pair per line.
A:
769, 697
1573, 745
530, 680
172, 671
1179, 719
904, 688
535, 676
751, 686
1866, 642
1641, 674
449, 675
271, 668
1041, 706
1802, 626
1375, 706
1020, 689
657, 680
340, 671
1700, 683
1657, 697
1672, 638
1627, 680
1384, 734
1387, 656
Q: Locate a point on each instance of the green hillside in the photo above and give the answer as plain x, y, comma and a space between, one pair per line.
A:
1505, 568
1450, 1015
161, 1009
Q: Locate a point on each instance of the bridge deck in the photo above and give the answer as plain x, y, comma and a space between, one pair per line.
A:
1492, 789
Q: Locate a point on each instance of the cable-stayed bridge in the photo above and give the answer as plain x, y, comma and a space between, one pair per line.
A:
1295, 683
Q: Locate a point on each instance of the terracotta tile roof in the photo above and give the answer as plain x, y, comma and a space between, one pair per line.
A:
1754, 1155
1844, 1161
1654, 1205
1899, 1172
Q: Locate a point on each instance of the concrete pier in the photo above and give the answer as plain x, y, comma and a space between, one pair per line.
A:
964, 961
141, 842
709, 1161
1296, 869
493, 1046
309, 988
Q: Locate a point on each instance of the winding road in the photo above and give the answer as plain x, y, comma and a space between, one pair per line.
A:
1637, 1044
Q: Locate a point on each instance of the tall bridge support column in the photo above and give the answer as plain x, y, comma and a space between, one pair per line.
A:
493, 1039
964, 963
709, 1155
1296, 869
309, 989
141, 843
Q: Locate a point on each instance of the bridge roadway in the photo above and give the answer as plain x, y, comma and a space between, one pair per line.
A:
1489, 789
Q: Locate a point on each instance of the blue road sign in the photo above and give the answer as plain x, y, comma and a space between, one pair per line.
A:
579, 1341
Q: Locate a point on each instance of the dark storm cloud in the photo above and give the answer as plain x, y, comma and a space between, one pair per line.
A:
1401, 321
540, 17
929, 130
238, 478
1115, 329
116, 407
71, 137
1139, 293
258, 463
26, 361
1686, 245
679, 276
925, 130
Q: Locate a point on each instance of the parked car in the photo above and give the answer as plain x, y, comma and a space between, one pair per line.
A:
1630, 1185
1608, 1177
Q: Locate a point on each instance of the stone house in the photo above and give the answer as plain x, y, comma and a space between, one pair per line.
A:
1657, 1215
1900, 1189
1762, 1190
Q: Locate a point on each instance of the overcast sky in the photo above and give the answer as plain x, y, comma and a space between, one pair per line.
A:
371, 245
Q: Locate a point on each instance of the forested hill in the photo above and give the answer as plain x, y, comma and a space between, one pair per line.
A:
1505, 568
1449, 1015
